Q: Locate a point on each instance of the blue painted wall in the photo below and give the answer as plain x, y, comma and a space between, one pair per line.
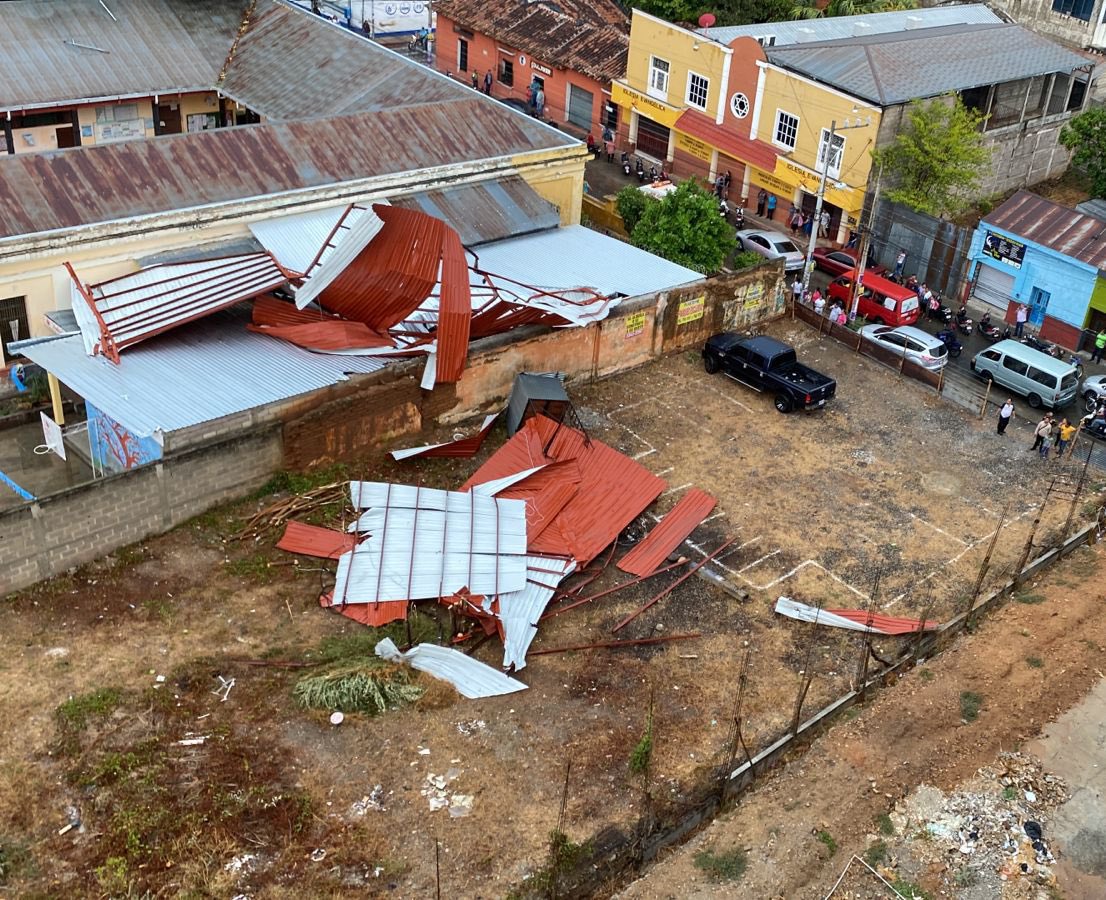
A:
114, 447
1069, 281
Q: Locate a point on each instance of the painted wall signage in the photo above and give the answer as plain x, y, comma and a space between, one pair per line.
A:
1005, 250
693, 146
635, 324
691, 310
537, 66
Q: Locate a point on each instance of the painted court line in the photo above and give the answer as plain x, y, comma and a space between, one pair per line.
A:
672, 490
951, 537
757, 563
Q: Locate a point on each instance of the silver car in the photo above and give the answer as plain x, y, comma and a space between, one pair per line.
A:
771, 245
917, 346
1093, 391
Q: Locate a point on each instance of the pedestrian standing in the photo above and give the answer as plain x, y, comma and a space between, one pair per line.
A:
1099, 346
796, 220
1020, 318
728, 180
1005, 414
475, 81
818, 301
807, 225
1041, 435
762, 202
720, 186
770, 208
1067, 432
539, 103
488, 83
797, 289
834, 312
824, 224
900, 263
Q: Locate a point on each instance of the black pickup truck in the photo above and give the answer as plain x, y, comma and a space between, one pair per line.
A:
768, 365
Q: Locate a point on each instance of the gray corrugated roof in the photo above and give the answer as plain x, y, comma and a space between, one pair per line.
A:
1094, 207
198, 373
292, 65
896, 68
488, 211
152, 46
827, 29
577, 256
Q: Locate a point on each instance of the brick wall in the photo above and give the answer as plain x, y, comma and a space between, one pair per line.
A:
79, 524
344, 422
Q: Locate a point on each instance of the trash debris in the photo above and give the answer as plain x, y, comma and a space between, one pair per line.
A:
193, 741
852, 619
471, 727
318, 855
337, 717
457, 448
471, 678
438, 796
223, 691
374, 800
241, 863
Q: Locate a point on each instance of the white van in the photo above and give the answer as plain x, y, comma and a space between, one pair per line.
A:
1041, 379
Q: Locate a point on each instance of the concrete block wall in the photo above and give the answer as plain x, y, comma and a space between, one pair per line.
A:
232, 457
80, 524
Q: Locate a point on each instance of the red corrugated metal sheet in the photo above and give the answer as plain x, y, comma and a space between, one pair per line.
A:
375, 614
884, 624
311, 540
396, 273
612, 491
680, 521
760, 154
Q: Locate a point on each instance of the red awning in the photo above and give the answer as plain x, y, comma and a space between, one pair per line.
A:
756, 153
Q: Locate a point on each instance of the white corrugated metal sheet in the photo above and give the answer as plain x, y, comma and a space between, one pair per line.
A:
785, 606
575, 257
357, 227
137, 306
472, 678
491, 488
428, 575
197, 373
519, 611
296, 240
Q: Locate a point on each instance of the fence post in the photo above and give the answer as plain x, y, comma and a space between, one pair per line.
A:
986, 399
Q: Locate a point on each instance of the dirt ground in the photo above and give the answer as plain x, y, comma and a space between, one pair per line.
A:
124, 770
1029, 662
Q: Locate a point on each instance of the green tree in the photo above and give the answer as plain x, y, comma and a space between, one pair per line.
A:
631, 202
685, 228
726, 12
810, 9
935, 161
1085, 135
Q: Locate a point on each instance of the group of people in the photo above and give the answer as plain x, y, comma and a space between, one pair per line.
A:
798, 221
1049, 434
836, 313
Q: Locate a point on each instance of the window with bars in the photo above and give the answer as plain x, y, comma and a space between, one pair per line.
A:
13, 323
506, 72
697, 89
462, 55
787, 129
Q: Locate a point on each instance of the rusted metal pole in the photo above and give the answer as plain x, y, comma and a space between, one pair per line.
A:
986, 399
557, 610
1018, 577
668, 590
604, 645
866, 643
984, 566
807, 675
1075, 497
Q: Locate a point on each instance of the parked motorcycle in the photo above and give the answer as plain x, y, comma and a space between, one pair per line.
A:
739, 217
963, 321
640, 172
625, 164
939, 312
991, 331
1053, 350
952, 346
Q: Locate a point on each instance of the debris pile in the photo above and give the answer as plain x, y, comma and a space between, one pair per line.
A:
992, 831
548, 503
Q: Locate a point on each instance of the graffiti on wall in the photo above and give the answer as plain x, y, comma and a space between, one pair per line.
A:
116, 449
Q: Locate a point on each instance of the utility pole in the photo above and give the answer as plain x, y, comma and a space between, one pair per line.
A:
827, 161
862, 251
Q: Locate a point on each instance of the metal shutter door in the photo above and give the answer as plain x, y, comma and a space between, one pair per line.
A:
579, 107
994, 286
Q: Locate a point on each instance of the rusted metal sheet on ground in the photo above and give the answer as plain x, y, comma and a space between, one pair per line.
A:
665, 537
612, 491
372, 614
311, 540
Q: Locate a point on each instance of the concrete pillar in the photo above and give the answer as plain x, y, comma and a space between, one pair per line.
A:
55, 398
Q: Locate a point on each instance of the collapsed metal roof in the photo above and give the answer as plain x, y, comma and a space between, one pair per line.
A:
201, 372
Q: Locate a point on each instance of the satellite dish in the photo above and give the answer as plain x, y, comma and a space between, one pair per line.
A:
706, 20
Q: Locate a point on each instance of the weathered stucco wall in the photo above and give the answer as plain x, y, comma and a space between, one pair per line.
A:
224, 460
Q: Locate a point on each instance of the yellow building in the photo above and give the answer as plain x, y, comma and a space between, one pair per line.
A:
796, 114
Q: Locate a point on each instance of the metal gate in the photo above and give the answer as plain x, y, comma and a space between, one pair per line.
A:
993, 286
579, 107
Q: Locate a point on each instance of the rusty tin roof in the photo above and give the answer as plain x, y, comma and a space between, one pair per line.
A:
1035, 219
592, 38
